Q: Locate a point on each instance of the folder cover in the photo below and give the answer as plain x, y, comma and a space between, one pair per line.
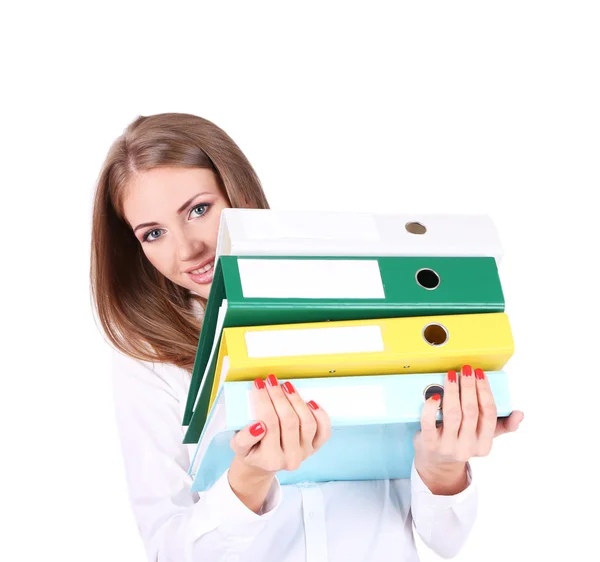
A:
374, 420
273, 232
359, 347
266, 290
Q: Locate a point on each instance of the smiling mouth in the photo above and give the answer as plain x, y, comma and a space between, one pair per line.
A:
203, 275
204, 269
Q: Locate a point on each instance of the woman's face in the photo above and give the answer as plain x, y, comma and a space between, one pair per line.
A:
175, 214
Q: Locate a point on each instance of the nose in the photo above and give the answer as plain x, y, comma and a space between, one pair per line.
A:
188, 247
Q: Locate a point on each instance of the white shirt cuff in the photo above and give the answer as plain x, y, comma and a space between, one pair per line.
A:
420, 490
443, 522
228, 512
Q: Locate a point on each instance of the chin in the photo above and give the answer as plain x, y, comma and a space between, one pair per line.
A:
199, 290
202, 291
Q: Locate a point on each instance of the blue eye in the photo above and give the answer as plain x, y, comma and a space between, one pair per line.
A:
152, 235
199, 210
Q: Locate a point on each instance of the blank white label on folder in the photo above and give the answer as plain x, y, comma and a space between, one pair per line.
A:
314, 225
314, 341
311, 279
360, 402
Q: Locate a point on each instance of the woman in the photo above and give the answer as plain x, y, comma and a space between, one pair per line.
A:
155, 224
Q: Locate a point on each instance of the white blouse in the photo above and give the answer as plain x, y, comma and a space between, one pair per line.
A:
334, 521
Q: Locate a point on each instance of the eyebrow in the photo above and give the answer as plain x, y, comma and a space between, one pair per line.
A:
179, 211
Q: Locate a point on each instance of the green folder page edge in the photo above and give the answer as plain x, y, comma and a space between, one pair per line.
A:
207, 335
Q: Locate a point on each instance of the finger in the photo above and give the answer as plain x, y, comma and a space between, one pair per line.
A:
451, 412
509, 424
289, 423
264, 411
467, 434
429, 431
488, 414
245, 439
323, 432
308, 422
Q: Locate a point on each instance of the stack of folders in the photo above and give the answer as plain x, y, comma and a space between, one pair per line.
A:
365, 313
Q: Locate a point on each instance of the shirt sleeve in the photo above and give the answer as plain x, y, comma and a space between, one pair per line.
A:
175, 524
443, 522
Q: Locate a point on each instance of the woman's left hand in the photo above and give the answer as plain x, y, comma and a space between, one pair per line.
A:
470, 424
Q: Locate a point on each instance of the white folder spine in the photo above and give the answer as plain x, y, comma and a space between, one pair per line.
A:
264, 232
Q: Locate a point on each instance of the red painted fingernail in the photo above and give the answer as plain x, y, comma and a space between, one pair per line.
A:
452, 376
436, 397
479, 374
313, 405
259, 383
467, 371
272, 380
287, 386
257, 429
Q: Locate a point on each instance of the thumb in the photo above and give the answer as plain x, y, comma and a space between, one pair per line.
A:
246, 438
509, 424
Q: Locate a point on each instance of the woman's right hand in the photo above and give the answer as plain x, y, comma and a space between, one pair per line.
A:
288, 430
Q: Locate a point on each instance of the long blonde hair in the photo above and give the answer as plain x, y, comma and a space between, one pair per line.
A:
144, 314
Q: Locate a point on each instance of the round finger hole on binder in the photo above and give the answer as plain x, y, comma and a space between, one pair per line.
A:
435, 334
428, 279
434, 389
415, 228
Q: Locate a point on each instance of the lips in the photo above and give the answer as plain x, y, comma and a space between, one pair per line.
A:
203, 269
203, 273
195, 268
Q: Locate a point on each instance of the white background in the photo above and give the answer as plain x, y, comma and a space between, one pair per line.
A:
424, 106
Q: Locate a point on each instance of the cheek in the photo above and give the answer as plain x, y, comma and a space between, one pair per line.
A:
160, 256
